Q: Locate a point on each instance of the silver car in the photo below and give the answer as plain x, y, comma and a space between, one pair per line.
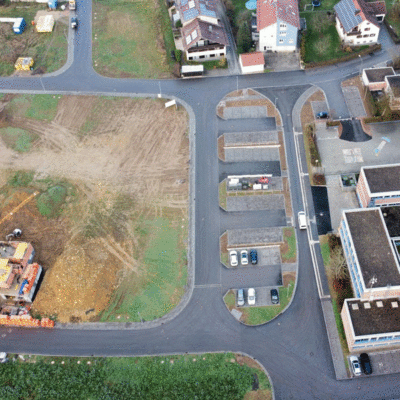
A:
240, 297
251, 297
355, 365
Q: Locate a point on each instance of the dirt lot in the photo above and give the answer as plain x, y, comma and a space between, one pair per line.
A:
121, 161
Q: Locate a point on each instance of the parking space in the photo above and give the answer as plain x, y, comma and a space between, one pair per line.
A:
255, 202
263, 297
387, 362
253, 236
250, 138
319, 106
258, 153
242, 125
353, 101
269, 255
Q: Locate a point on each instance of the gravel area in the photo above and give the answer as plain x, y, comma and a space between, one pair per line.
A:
255, 202
251, 236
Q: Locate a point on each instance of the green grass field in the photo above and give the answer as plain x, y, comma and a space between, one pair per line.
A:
49, 50
289, 237
162, 285
17, 139
393, 16
322, 40
38, 106
132, 39
202, 376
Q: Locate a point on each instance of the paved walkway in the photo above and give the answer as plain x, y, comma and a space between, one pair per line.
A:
334, 341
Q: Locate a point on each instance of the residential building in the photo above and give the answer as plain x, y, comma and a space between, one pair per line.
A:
252, 62
278, 24
374, 78
358, 22
204, 10
379, 186
204, 41
371, 323
18, 275
371, 257
393, 91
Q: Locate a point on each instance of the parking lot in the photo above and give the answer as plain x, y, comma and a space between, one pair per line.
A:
385, 362
263, 297
255, 202
250, 236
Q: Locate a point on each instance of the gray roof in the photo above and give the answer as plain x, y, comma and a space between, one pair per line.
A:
373, 247
375, 320
378, 74
345, 11
190, 14
383, 179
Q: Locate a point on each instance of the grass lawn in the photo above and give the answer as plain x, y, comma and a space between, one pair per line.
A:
212, 376
326, 5
392, 18
161, 286
37, 106
17, 139
322, 40
48, 50
222, 194
132, 39
288, 252
261, 315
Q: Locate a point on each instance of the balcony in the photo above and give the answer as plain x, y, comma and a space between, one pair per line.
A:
210, 47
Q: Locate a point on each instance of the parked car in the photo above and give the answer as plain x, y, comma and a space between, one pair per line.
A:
253, 256
240, 297
365, 363
244, 257
234, 258
322, 115
251, 297
355, 365
274, 296
74, 22
302, 220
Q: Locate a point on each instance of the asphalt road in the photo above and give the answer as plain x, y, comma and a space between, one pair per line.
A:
294, 347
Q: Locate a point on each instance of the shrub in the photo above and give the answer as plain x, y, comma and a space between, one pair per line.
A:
178, 56
222, 62
244, 38
179, 24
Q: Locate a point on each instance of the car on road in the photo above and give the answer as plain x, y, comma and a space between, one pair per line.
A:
253, 256
322, 115
240, 297
355, 365
274, 296
244, 257
234, 258
251, 297
74, 22
302, 220
365, 363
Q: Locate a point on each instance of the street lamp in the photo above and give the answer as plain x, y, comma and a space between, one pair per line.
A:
361, 63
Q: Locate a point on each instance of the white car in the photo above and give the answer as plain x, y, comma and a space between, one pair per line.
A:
244, 257
251, 297
234, 258
355, 365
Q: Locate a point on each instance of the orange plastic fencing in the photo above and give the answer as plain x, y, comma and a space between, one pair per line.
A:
25, 320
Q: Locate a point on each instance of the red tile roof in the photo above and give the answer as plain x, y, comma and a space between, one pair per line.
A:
270, 11
251, 59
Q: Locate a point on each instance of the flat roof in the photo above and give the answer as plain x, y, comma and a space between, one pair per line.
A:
383, 179
373, 248
378, 74
374, 317
394, 82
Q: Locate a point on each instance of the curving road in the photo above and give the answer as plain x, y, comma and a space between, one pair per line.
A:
294, 347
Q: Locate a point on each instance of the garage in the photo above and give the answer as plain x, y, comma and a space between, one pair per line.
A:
251, 63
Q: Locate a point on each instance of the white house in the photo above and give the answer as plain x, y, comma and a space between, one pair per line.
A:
203, 41
252, 62
357, 22
278, 24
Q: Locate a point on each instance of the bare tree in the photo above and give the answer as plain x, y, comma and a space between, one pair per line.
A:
338, 264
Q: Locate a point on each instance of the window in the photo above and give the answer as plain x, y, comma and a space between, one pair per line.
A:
282, 33
202, 57
367, 29
265, 47
291, 41
282, 25
212, 55
359, 36
280, 40
372, 34
221, 54
190, 58
365, 35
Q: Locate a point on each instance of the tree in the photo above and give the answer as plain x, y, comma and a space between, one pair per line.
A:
244, 37
338, 264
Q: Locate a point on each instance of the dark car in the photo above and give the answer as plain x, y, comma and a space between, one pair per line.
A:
274, 296
322, 115
74, 23
253, 256
316, 3
365, 363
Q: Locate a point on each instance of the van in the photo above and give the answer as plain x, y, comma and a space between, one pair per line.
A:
302, 220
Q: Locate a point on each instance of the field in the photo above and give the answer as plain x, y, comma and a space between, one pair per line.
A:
132, 39
109, 223
197, 376
49, 50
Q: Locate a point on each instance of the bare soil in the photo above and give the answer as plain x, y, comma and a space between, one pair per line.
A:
107, 150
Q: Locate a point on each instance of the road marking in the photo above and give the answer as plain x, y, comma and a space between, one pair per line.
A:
211, 285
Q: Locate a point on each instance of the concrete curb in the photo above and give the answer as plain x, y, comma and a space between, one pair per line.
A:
191, 242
